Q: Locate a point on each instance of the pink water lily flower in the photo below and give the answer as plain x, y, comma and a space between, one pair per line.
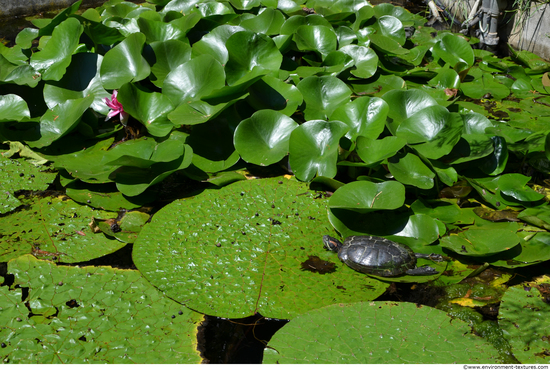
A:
116, 108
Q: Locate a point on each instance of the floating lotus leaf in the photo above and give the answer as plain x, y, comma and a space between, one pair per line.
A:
524, 318
55, 228
64, 314
18, 174
377, 333
252, 246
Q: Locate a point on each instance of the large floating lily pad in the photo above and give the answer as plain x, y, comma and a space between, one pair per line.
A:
91, 315
18, 174
253, 246
55, 228
377, 333
524, 318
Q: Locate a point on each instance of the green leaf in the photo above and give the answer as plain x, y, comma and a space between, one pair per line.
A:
515, 185
53, 60
81, 80
124, 63
214, 42
66, 316
54, 228
523, 316
433, 129
194, 79
372, 330
60, 120
263, 139
151, 109
495, 163
316, 38
322, 95
18, 174
272, 93
13, 108
365, 116
366, 196
372, 151
455, 51
485, 86
446, 79
410, 170
268, 22
250, 55
314, 148
168, 56
390, 27
405, 103
488, 239
257, 262
366, 60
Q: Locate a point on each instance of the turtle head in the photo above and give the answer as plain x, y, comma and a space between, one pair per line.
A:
332, 244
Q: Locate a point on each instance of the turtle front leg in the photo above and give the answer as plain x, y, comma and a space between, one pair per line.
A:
423, 270
432, 257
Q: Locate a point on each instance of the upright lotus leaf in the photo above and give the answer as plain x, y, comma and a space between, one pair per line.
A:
434, 128
367, 196
60, 120
515, 185
292, 23
213, 43
484, 240
13, 108
81, 79
410, 170
523, 317
53, 60
164, 31
19, 174
268, 22
365, 116
250, 55
377, 333
495, 163
316, 38
168, 56
446, 79
272, 93
65, 314
150, 108
454, 50
263, 139
194, 79
374, 151
475, 123
390, 27
212, 143
55, 228
251, 247
405, 103
322, 95
124, 63
366, 60
245, 4
314, 148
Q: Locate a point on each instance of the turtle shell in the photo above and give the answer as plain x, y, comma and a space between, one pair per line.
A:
376, 256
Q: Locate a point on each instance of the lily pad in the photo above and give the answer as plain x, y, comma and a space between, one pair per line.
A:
65, 314
270, 259
524, 317
377, 333
55, 228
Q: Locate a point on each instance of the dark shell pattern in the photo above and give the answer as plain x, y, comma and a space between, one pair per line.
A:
377, 256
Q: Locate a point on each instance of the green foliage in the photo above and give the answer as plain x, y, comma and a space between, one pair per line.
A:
91, 315
376, 333
422, 140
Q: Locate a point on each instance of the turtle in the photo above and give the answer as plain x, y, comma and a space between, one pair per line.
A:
378, 256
